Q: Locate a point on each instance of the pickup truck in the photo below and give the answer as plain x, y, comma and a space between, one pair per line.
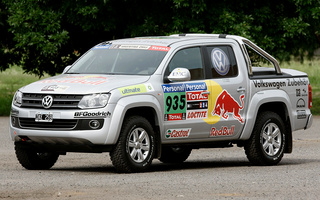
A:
160, 97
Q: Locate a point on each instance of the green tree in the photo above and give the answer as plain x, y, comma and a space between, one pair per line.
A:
47, 35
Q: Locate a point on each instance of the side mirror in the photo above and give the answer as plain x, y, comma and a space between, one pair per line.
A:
180, 74
66, 69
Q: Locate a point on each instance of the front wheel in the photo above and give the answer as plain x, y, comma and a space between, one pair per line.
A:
135, 149
267, 142
34, 160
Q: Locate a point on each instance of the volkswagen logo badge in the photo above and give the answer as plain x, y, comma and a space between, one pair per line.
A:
47, 101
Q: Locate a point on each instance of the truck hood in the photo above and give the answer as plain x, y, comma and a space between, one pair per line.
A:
82, 84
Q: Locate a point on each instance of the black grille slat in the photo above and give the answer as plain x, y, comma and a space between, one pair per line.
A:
55, 124
60, 101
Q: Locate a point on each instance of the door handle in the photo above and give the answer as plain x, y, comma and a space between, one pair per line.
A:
205, 93
241, 89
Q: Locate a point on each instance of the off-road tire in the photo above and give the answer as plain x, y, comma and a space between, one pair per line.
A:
135, 148
174, 154
33, 160
267, 142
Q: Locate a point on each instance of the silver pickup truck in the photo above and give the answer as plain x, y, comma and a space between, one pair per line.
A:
160, 97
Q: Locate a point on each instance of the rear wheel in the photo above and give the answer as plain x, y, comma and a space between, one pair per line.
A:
174, 154
267, 142
34, 160
135, 149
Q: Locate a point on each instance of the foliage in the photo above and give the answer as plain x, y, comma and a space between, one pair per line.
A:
47, 35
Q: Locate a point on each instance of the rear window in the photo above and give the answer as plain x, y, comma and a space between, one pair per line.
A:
222, 61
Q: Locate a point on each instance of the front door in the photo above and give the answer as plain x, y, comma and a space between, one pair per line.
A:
212, 103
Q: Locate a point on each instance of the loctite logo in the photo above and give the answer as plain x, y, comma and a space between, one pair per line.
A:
178, 133
92, 114
224, 131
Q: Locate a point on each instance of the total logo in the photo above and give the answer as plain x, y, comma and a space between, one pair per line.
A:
178, 133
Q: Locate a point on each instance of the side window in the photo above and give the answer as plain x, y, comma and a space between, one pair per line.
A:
189, 58
223, 62
260, 65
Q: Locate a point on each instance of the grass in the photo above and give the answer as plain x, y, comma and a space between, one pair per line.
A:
14, 78
10, 81
312, 68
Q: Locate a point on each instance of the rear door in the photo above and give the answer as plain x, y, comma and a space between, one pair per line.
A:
228, 92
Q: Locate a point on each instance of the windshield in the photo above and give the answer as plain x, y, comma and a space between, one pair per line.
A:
120, 59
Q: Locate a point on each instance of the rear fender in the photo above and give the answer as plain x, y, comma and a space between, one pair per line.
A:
259, 99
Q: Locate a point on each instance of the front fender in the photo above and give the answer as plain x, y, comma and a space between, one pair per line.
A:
123, 105
259, 99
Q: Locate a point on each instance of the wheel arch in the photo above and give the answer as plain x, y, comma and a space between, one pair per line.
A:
276, 101
281, 109
146, 106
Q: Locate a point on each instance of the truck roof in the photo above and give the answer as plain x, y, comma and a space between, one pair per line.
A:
169, 40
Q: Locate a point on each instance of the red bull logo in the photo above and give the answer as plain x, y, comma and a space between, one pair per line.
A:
226, 104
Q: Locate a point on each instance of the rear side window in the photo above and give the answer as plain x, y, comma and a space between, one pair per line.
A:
222, 61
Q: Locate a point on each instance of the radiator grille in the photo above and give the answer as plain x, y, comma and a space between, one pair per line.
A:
60, 101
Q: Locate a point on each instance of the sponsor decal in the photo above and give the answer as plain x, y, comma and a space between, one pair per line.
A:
159, 48
226, 104
178, 133
220, 61
298, 92
102, 47
136, 89
302, 92
173, 88
273, 84
99, 114
55, 88
196, 86
140, 47
196, 96
299, 82
301, 114
173, 117
197, 105
223, 131
292, 82
87, 77
301, 103
186, 101
87, 80
197, 114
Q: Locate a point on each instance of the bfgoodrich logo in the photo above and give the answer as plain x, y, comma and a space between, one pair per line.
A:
92, 114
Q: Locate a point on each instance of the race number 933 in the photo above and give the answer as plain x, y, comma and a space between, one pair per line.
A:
175, 102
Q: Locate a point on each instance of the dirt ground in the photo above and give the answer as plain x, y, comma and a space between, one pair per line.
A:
207, 174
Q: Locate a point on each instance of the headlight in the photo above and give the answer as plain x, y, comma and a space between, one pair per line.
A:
94, 101
17, 99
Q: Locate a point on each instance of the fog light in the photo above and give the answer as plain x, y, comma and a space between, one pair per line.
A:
13, 121
94, 124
